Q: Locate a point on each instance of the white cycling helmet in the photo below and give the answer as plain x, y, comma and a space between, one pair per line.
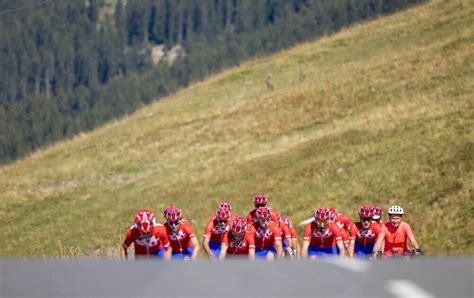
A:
395, 209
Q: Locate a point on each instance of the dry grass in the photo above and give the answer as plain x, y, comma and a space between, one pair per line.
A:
380, 113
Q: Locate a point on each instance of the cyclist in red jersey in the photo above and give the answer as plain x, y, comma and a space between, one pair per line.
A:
215, 230
345, 226
394, 234
147, 236
321, 237
260, 201
239, 241
267, 236
288, 234
367, 232
184, 244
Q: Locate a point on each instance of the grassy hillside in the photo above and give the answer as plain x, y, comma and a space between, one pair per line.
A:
380, 113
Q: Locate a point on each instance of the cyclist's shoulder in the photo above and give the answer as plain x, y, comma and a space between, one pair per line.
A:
185, 223
405, 226
159, 227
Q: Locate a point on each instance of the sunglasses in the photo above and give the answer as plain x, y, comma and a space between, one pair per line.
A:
259, 205
222, 221
366, 219
174, 223
264, 220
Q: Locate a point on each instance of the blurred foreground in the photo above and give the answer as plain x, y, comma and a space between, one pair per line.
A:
421, 278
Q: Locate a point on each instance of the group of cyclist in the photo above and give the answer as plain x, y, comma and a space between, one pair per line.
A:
265, 234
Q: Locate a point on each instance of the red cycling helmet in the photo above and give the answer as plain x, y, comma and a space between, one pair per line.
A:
225, 204
173, 214
366, 212
239, 226
223, 213
144, 221
332, 214
377, 213
322, 214
260, 200
262, 213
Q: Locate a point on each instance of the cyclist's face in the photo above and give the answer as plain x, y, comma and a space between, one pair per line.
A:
395, 220
238, 236
321, 225
174, 225
264, 223
366, 222
222, 223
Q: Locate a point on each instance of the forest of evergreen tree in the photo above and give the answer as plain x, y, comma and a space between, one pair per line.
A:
69, 66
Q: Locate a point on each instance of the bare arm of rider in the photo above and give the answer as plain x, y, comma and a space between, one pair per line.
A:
351, 247
412, 239
379, 242
296, 248
123, 253
304, 249
252, 253
195, 243
223, 251
342, 249
289, 247
205, 246
279, 248
167, 253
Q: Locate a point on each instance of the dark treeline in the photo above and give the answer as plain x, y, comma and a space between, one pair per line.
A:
68, 66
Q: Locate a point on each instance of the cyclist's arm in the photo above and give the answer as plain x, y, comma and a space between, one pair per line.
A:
304, 249
411, 237
131, 236
296, 248
342, 248
252, 253
379, 242
223, 251
167, 253
351, 247
123, 253
206, 238
352, 238
279, 248
205, 246
195, 243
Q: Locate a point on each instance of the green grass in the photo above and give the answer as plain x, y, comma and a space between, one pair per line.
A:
379, 113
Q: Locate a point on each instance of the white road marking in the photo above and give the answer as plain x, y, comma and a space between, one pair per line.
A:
306, 221
349, 264
407, 289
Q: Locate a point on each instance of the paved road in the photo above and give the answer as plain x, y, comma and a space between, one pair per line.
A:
337, 278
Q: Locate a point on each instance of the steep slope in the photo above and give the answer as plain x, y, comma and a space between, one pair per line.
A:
380, 113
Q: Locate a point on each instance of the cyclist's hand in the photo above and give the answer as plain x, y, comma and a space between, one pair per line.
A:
418, 252
377, 255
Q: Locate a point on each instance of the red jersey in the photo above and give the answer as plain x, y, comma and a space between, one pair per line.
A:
251, 219
293, 233
345, 224
214, 232
266, 238
285, 233
323, 239
147, 246
241, 246
366, 237
181, 239
396, 238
